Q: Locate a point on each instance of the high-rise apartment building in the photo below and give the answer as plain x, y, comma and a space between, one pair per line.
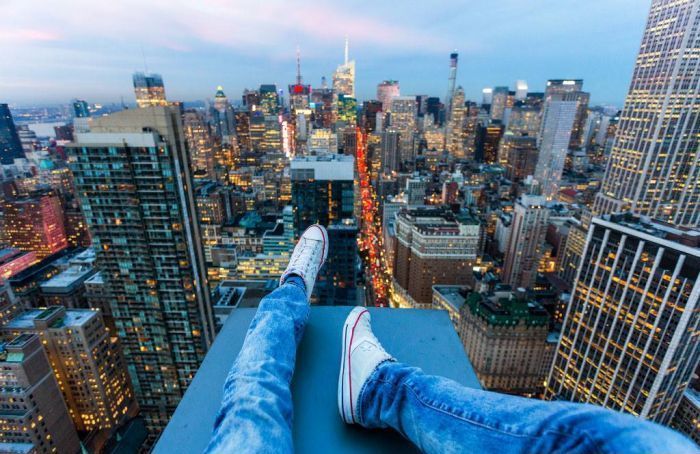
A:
199, 142
628, 339
10, 145
526, 241
558, 116
132, 174
518, 154
33, 415
456, 132
653, 167
434, 246
149, 89
35, 224
322, 190
386, 91
88, 366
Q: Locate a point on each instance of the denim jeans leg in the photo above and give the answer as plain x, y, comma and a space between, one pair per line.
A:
256, 410
441, 416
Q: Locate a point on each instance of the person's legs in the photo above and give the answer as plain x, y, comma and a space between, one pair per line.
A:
256, 410
440, 415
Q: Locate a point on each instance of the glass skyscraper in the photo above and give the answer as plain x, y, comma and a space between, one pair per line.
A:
10, 145
149, 89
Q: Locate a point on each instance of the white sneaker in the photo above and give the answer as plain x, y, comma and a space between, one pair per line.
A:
308, 257
362, 354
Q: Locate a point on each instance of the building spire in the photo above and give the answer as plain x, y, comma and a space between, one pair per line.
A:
347, 49
298, 66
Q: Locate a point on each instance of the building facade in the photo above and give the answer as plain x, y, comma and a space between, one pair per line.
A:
132, 174
629, 339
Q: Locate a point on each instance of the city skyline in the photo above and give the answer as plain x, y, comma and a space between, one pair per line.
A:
198, 48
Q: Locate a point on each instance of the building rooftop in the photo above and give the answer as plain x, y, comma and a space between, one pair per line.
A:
327, 166
71, 318
683, 235
454, 295
67, 280
508, 309
423, 338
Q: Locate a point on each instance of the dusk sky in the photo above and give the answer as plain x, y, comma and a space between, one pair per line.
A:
52, 52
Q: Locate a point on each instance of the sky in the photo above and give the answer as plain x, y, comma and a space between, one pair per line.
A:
51, 52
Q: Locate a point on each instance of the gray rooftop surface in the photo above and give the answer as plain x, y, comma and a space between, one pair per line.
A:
423, 338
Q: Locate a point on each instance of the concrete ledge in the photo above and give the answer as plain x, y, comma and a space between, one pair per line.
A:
423, 338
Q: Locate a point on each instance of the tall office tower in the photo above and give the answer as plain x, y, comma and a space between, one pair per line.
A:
499, 100
199, 142
434, 246
573, 87
242, 120
149, 89
518, 154
344, 76
526, 241
269, 99
558, 116
132, 174
370, 110
10, 145
80, 109
525, 117
386, 91
347, 110
389, 149
456, 135
322, 190
35, 418
222, 116
35, 224
491, 325
487, 96
299, 93
251, 99
653, 168
451, 81
404, 112
521, 89
433, 107
323, 100
337, 281
487, 142
628, 339
88, 366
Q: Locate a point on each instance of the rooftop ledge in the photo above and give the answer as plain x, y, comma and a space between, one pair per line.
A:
423, 338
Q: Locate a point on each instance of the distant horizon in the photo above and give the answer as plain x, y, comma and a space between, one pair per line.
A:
54, 56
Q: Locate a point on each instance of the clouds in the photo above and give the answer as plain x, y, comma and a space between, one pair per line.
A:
89, 48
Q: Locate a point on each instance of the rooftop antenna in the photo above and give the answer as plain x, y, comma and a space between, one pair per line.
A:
298, 66
143, 54
347, 49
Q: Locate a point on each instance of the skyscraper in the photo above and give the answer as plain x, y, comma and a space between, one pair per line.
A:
223, 117
575, 87
558, 117
628, 339
456, 134
322, 190
200, 142
10, 145
525, 242
269, 99
39, 420
132, 174
404, 113
299, 93
653, 168
149, 89
80, 109
35, 224
386, 91
344, 76
89, 367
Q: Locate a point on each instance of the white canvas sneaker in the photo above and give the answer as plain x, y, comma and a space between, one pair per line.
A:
362, 354
308, 257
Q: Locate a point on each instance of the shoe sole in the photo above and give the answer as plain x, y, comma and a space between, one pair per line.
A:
342, 387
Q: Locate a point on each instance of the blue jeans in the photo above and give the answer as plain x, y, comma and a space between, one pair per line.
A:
438, 415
